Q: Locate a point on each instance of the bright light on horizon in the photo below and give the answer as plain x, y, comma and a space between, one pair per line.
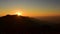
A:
18, 13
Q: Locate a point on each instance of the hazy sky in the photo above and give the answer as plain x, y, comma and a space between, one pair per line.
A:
30, 7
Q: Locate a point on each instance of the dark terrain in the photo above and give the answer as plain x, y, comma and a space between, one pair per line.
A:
13, 24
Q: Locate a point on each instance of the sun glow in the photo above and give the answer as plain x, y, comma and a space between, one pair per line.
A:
18, 13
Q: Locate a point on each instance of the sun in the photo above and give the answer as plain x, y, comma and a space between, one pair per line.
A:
18, 13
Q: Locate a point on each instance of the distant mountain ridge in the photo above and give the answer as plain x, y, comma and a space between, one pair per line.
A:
51, 19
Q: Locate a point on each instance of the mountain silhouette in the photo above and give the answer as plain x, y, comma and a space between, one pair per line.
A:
13, 24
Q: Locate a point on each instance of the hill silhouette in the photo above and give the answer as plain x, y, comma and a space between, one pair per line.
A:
13, 24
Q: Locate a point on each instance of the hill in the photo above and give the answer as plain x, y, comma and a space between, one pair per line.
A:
13, 24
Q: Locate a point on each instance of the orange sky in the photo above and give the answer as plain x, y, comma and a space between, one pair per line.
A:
30, 7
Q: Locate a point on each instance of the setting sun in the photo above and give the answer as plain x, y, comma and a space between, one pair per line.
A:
18, 13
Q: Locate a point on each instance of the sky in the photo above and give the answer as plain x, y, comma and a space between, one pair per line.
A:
30, 7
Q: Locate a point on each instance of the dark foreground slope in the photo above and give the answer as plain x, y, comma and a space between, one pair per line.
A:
13, 24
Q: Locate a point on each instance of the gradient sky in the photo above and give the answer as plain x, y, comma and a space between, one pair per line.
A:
30, 7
